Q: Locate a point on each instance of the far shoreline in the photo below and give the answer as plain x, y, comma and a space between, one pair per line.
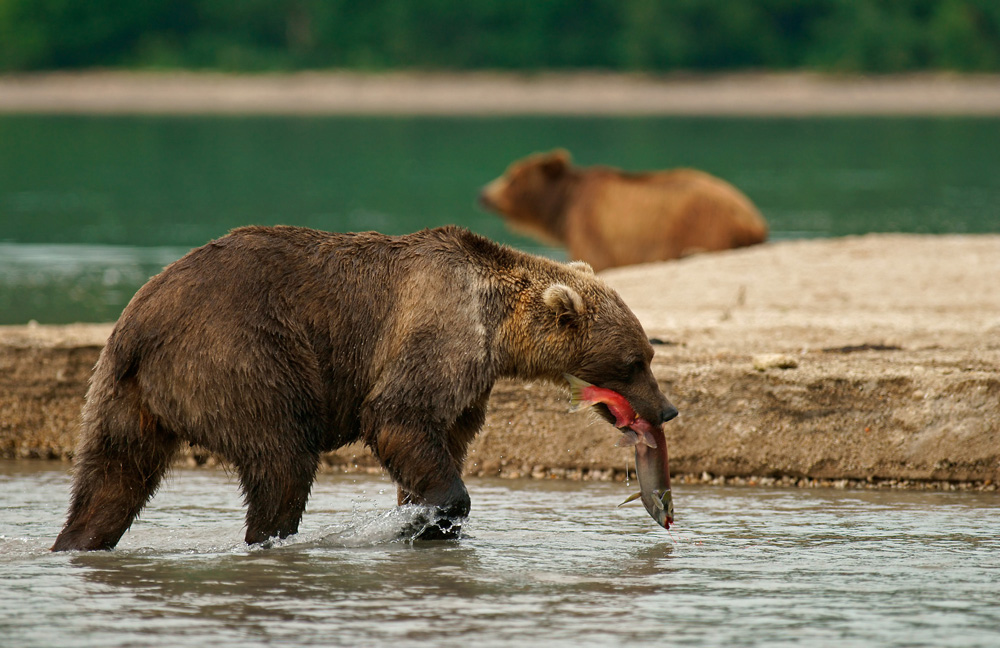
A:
584, 93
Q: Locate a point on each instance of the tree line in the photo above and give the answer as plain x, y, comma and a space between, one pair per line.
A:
870, 36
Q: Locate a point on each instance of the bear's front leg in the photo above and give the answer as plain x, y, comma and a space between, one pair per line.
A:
444, 521
427, 475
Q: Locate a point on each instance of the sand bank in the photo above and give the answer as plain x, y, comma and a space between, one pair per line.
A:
340, 93
871, 359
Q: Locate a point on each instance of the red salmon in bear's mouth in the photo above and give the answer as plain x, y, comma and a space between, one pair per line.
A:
651, 461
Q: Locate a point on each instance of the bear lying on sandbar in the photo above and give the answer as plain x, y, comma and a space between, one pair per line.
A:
610, 218
271, 345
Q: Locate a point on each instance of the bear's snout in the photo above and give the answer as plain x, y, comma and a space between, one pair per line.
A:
491, 196
668, 413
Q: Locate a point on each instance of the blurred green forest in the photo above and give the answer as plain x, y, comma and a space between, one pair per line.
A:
628, 35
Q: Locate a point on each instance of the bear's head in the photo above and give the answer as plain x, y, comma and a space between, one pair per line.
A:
578, 325
532, 193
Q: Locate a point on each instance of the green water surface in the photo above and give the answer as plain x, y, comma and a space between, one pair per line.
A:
90, 207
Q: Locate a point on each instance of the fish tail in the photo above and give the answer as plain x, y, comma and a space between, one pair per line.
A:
576, 387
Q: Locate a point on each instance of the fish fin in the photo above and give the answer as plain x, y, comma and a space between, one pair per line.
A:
668, 503
631, 498
628, 439
576, 387
648, 439
663, 500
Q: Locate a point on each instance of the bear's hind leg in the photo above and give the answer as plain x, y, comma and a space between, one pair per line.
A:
116, 474
275, 493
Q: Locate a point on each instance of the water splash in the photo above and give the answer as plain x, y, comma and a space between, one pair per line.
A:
402, 524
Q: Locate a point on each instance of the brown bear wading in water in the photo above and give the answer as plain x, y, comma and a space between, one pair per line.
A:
269, 346
609, 218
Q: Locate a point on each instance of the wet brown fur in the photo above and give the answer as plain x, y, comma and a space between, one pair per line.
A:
269, 346
610, 218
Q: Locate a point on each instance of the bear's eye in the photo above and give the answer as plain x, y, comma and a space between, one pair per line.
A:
634, 368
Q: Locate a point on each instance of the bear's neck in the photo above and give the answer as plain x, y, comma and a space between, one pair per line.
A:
526, 346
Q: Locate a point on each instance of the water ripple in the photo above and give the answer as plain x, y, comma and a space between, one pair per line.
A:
541, 563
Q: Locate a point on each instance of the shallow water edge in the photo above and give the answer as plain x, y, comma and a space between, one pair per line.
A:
543, 562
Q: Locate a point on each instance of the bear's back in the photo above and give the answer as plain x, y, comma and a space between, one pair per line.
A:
625, 218
337, 292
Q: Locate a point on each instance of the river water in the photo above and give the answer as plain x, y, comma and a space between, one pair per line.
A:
90, 206
546, 563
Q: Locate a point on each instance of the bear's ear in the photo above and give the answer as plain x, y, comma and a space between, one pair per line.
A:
556, 163
564, 302
562, 155
581, 266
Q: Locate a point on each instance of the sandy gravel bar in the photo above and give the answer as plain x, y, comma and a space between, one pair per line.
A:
340, 93
865, 360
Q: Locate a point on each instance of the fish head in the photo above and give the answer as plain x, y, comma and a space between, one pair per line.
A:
652, 468
659, 504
